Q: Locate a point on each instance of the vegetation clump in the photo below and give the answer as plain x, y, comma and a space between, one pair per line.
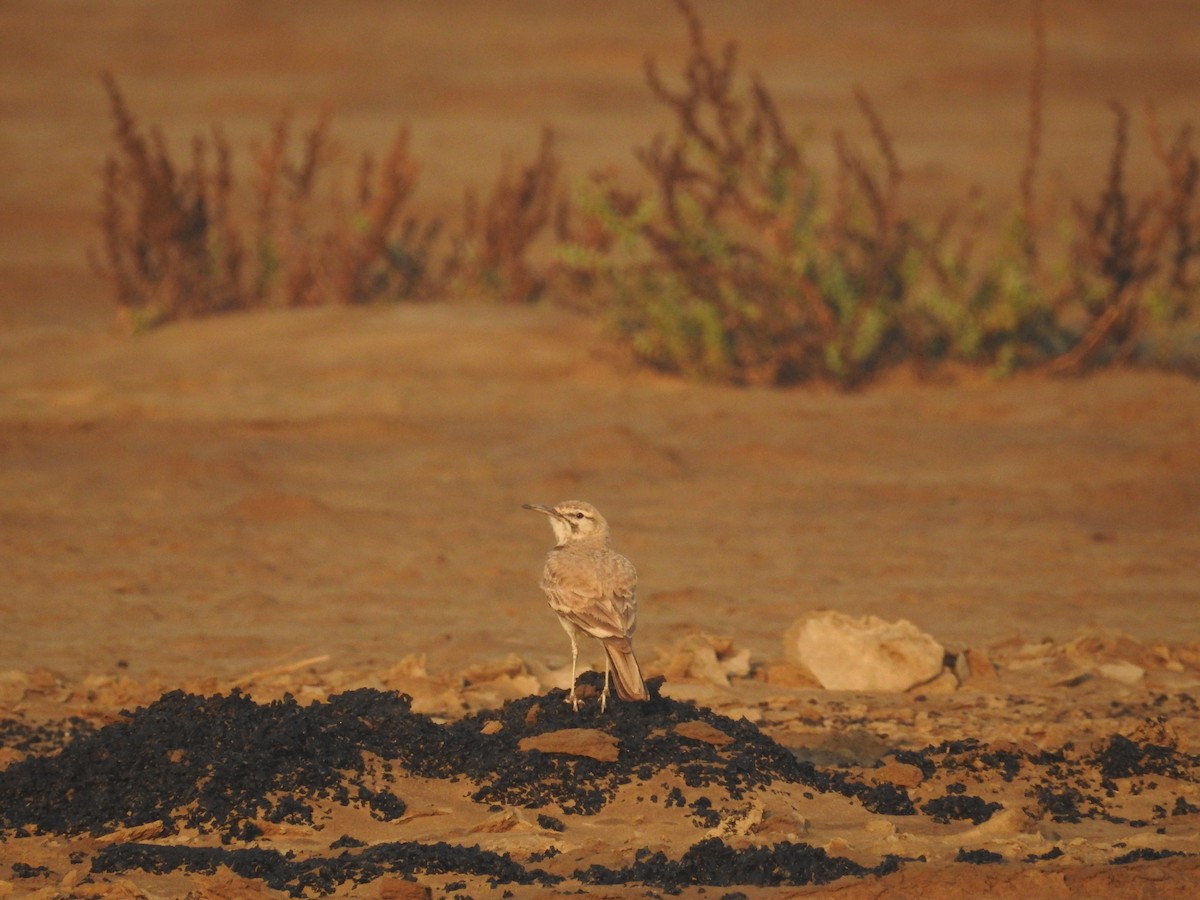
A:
740, 263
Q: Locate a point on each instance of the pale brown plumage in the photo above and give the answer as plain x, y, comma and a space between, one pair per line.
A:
593, 590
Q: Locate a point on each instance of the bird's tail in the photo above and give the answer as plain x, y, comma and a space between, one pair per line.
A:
627, 676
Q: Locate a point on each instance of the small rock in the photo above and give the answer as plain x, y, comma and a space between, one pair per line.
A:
402, 889
785, 674
893, 772
944, 683
575, 742
740, 822
501, 822
702, 731
863, 654
706, 659
1124, 672
974, 666
132, 834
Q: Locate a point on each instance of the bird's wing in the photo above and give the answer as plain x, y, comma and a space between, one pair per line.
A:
624, 591
595, 594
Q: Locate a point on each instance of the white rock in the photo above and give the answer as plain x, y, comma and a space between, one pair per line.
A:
1124, 672
845, 653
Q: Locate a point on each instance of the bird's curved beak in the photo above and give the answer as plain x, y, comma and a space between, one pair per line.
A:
545, 509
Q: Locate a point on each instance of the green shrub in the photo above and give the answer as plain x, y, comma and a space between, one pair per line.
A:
742, 266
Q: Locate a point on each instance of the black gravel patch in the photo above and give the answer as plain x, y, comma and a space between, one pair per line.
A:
972, 756
582, 786
1067, 804
1121, 757
1184, 808
711, 862
960, 806
322, 874
885, 799
1142, 854
978, 857
24, 870
224, 765
42, 738
221, 763
1052, 853
212, 763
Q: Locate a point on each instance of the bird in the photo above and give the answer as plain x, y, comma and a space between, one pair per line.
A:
593, 590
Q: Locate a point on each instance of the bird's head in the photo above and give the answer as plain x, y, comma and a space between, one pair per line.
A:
574, 521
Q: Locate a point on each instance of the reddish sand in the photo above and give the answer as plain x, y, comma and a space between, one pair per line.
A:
300, 501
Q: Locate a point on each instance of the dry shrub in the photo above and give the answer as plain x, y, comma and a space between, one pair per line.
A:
170, 248
184, 241
494, 250
352, 252
1134, 257
1128, 263
180, 241
733, 268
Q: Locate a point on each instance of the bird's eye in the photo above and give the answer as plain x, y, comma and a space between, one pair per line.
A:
580, 515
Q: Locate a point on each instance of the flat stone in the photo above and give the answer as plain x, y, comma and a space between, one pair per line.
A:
575, 742
702, 731
894, 772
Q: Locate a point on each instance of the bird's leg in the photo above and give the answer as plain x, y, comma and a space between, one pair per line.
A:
571, 698
604, 693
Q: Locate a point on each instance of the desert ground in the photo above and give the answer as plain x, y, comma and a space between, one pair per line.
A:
310, 503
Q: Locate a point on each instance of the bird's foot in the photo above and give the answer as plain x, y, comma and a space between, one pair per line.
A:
573, 700
603, 700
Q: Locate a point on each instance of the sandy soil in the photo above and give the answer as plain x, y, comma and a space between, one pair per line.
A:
313, 502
